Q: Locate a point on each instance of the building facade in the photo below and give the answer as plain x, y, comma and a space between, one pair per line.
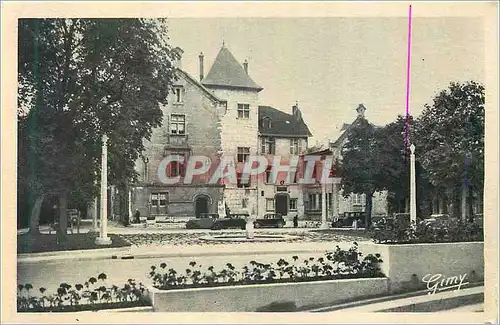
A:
355, 202
191, 126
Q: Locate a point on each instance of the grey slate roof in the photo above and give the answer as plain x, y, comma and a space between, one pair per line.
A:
228, 72
279, 125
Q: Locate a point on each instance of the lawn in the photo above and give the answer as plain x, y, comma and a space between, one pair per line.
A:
48, 243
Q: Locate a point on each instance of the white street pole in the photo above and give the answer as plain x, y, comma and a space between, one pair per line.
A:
129, 205
103, 238
324, 224
95, 214
413, 193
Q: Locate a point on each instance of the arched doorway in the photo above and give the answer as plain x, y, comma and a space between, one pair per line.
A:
201, 205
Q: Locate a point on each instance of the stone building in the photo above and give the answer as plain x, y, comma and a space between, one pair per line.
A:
219, 116
284, 135
355, 202
191, 126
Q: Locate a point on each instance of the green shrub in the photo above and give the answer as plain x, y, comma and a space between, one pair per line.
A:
458, 231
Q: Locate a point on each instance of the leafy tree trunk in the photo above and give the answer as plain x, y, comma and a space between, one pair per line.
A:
63, 218
368, 209
35, 216
471, 203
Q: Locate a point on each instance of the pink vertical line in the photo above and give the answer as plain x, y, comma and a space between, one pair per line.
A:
407, 129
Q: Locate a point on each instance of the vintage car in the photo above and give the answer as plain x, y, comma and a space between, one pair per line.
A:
232, 221
438, 221
206, 221
348, 218
270, 220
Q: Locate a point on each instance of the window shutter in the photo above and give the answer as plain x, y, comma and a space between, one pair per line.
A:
167, 125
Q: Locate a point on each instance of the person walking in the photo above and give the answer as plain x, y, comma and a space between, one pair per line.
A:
295, 221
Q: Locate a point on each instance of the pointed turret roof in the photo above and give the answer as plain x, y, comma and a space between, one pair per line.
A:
228, 72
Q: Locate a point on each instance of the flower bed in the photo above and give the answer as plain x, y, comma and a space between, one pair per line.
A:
339, 275
339, 264
412, 252
94, 294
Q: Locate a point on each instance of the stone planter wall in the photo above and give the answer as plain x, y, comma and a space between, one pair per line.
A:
406, 265
249, 298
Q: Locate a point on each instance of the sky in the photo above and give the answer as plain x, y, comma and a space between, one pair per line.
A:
331, 65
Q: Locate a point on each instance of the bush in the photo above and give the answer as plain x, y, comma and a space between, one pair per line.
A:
92, 295
401, 233
339, 264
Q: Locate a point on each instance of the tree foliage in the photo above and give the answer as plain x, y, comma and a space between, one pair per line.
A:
451, 136
80, 79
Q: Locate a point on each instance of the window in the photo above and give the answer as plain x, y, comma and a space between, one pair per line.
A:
158, 202
267, 145
154, 200
269, 204
243, 154
295, 146
312, 202
176, 168
293, 204
357, 199
163, 199
330, 201
239, 181
243, 110
244, 202
178, 94
177, 124
268, 174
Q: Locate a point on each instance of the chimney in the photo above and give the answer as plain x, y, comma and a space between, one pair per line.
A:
361, 110
296, 111
245, 66
201, 66
178, 57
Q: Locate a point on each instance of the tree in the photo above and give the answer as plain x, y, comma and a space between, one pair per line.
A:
451, 140
80, 79
393, 157
359, 170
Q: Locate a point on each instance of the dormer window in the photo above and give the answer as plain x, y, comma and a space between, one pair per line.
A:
266, 122
178, 95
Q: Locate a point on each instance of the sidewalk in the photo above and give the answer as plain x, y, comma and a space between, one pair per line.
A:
465, 300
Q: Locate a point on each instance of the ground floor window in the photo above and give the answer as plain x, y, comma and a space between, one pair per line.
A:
158, 202
293, 204
269, 204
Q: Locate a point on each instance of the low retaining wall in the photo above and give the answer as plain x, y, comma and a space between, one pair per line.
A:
406, 265
258, 297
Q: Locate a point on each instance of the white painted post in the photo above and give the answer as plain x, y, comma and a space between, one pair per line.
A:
129, 205
95, 214
103, 238
413, 193
324, 224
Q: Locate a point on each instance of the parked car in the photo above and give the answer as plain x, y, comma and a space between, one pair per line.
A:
438, 220
205, 222
270, 220
348, 218
232, 221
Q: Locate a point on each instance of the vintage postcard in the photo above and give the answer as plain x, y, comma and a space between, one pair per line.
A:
244, 162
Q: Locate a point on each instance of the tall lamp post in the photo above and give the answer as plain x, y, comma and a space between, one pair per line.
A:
413, 193
103, 238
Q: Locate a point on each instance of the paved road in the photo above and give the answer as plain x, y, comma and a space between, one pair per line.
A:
50, 274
